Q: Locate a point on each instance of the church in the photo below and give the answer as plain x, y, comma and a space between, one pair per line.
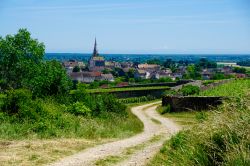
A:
96, 62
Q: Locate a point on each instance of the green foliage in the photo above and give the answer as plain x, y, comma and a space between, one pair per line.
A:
97, 103
16, 100
189, 90
32, 92
221, 139
235, 88
207, 82
76, 69
22, 66
48, 119
204, 63
164, 109
240, 70
164, 79
221, 76
154, 61
170, 93
137, 99
201, 116
244, 63
50, 79
19, 56
193, 72
79, 108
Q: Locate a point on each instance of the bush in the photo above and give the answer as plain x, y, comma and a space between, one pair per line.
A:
164, 109
190, 90
79, 108
15, 100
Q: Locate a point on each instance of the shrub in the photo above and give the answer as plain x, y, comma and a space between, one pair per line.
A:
164, 109
15, 100
79, 108
190, 90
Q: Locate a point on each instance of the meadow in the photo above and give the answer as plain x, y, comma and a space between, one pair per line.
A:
221, 138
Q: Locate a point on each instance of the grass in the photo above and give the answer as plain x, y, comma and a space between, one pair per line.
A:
40, 152
20, 145
222, 138
236, 88
125, 89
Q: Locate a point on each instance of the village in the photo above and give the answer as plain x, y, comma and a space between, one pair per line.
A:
97, 69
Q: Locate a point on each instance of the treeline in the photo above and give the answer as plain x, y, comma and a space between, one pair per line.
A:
244, 63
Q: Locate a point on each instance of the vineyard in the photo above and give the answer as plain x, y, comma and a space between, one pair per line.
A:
137, 99
126, 89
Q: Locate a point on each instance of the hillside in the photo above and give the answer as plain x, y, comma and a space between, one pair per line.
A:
222, 138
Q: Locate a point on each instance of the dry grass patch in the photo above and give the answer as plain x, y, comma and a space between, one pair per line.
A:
40, 152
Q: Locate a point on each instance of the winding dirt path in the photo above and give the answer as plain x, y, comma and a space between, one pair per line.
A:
149, 117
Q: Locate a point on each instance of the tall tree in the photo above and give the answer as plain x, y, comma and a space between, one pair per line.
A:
19, 55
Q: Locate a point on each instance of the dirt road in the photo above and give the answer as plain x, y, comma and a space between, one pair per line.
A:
136, 150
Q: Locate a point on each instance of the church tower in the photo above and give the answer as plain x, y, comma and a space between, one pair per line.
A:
95, 51
96, 62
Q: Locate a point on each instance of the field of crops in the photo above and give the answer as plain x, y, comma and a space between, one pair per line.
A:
126, 89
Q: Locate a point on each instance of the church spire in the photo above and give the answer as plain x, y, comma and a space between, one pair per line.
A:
95, 51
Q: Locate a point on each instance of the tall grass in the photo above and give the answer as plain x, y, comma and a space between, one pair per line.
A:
61, 124
221, 139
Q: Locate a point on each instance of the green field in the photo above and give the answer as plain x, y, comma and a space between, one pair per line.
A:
221, 138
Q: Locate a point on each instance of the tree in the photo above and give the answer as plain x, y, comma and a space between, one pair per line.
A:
76, 69
19, 55
22, 66
50, 79
239, 70
154, 61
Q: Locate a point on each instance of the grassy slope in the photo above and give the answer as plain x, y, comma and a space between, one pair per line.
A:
20, 145
222, 139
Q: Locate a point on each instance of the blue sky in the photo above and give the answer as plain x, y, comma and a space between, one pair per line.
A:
132, 26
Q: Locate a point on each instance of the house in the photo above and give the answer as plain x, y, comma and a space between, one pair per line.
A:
177, 75
69, 65
149, 67
142, 74
126, 64
107, 77
161, 74
206, 75
86, 77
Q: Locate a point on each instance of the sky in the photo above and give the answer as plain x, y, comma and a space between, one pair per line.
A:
132, 26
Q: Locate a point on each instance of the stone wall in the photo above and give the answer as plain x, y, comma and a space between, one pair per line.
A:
189, 103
